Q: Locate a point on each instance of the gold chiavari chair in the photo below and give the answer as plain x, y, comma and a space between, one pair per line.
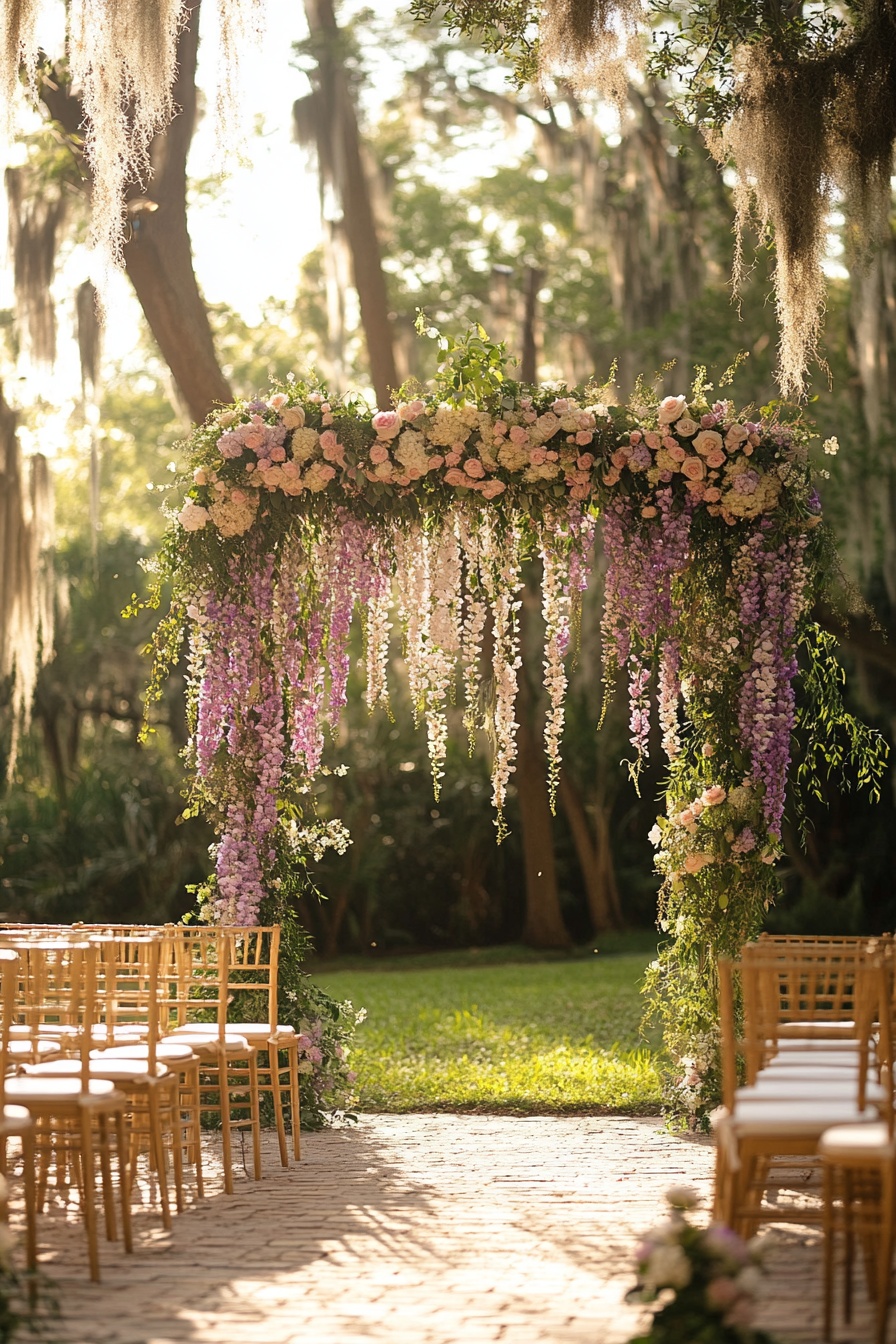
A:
16, 1121
73, 1115
127, 1002
197, 1016
757, 1129
253, 962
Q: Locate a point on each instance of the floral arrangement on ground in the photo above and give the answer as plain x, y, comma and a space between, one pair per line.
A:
705, 1281
303, 510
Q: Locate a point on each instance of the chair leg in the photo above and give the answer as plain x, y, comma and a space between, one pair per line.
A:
885, 1254
157, 1152
124, 1181
224, 1095
197, 1131
255, 1114
172, 1125
106, 1170
276, 1093
29, 1181
292, 1055
87, 1179
829, 1225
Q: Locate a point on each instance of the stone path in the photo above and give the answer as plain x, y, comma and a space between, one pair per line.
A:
424, 1229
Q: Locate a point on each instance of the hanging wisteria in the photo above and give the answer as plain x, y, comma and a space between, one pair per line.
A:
304, 511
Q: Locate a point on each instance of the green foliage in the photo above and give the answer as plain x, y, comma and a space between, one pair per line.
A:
504, 27
471, 368
540, 1036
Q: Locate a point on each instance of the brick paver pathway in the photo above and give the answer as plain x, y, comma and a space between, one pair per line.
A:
424, 1229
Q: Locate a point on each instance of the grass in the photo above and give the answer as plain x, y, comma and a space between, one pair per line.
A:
502, 1030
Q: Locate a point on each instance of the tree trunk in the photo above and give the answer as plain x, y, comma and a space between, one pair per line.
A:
594, 855
544, 926
339, 155
158, 256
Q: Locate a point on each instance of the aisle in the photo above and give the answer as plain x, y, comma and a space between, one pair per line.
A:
430, 1229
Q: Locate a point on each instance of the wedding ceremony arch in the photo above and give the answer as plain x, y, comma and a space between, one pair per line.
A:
303, 511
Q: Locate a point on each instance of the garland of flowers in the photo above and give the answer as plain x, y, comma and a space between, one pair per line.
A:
303, 510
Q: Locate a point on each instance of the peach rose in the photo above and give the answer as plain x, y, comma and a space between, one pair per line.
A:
676, 452
379, 453
518, 434
707, 441
712, 495
686, 426
715, 459
585, 462
278, 401
457, 478
611, 477
711, 797
693, 468
671, 408
492, 488
620, 457
653, 440
473, 467
648, 511
584, 437
410, 410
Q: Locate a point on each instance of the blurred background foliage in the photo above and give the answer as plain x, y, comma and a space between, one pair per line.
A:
580, 238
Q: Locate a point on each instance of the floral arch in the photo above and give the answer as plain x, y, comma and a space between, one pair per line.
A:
303, 511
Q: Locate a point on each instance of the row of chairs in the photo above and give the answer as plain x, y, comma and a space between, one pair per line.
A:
810, 1082
117, 1041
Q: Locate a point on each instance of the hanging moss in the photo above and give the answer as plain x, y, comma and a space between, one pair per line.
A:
807, 131
35, 216
590, 42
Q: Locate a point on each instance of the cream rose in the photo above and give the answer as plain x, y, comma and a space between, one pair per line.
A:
671, 409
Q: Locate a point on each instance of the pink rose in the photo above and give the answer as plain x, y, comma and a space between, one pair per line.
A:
278, 453
693, 468
635, 436
560, 406
278, 401
620, 457
530, 417
290, 469
473, 467
585, 462
254, 439
715, 459
671, 408
611, 477
493, 488
686, 427
713, 796
696, 489
537, 456
518, 434
455, 477
452, 458
386, 424
677, 453
378, 453
580, 492
435, 462
410, 410
712, 495
694, 862
735, 436
500, 427
653, 440
707, 421
584, 437
199, 476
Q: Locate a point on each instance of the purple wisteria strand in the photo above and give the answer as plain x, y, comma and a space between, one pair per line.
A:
771, 584
644, 558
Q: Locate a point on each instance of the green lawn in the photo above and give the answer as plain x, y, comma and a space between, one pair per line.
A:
468, 1031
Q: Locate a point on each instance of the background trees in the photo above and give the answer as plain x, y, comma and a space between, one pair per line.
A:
580, 235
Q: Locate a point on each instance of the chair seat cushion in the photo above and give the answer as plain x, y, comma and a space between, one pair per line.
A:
252, 1031
809, 1089
864, 1142
119, 1069
172, 1052
754, 1118
821, 1029
43, 1046
208, 1045
46, 1090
